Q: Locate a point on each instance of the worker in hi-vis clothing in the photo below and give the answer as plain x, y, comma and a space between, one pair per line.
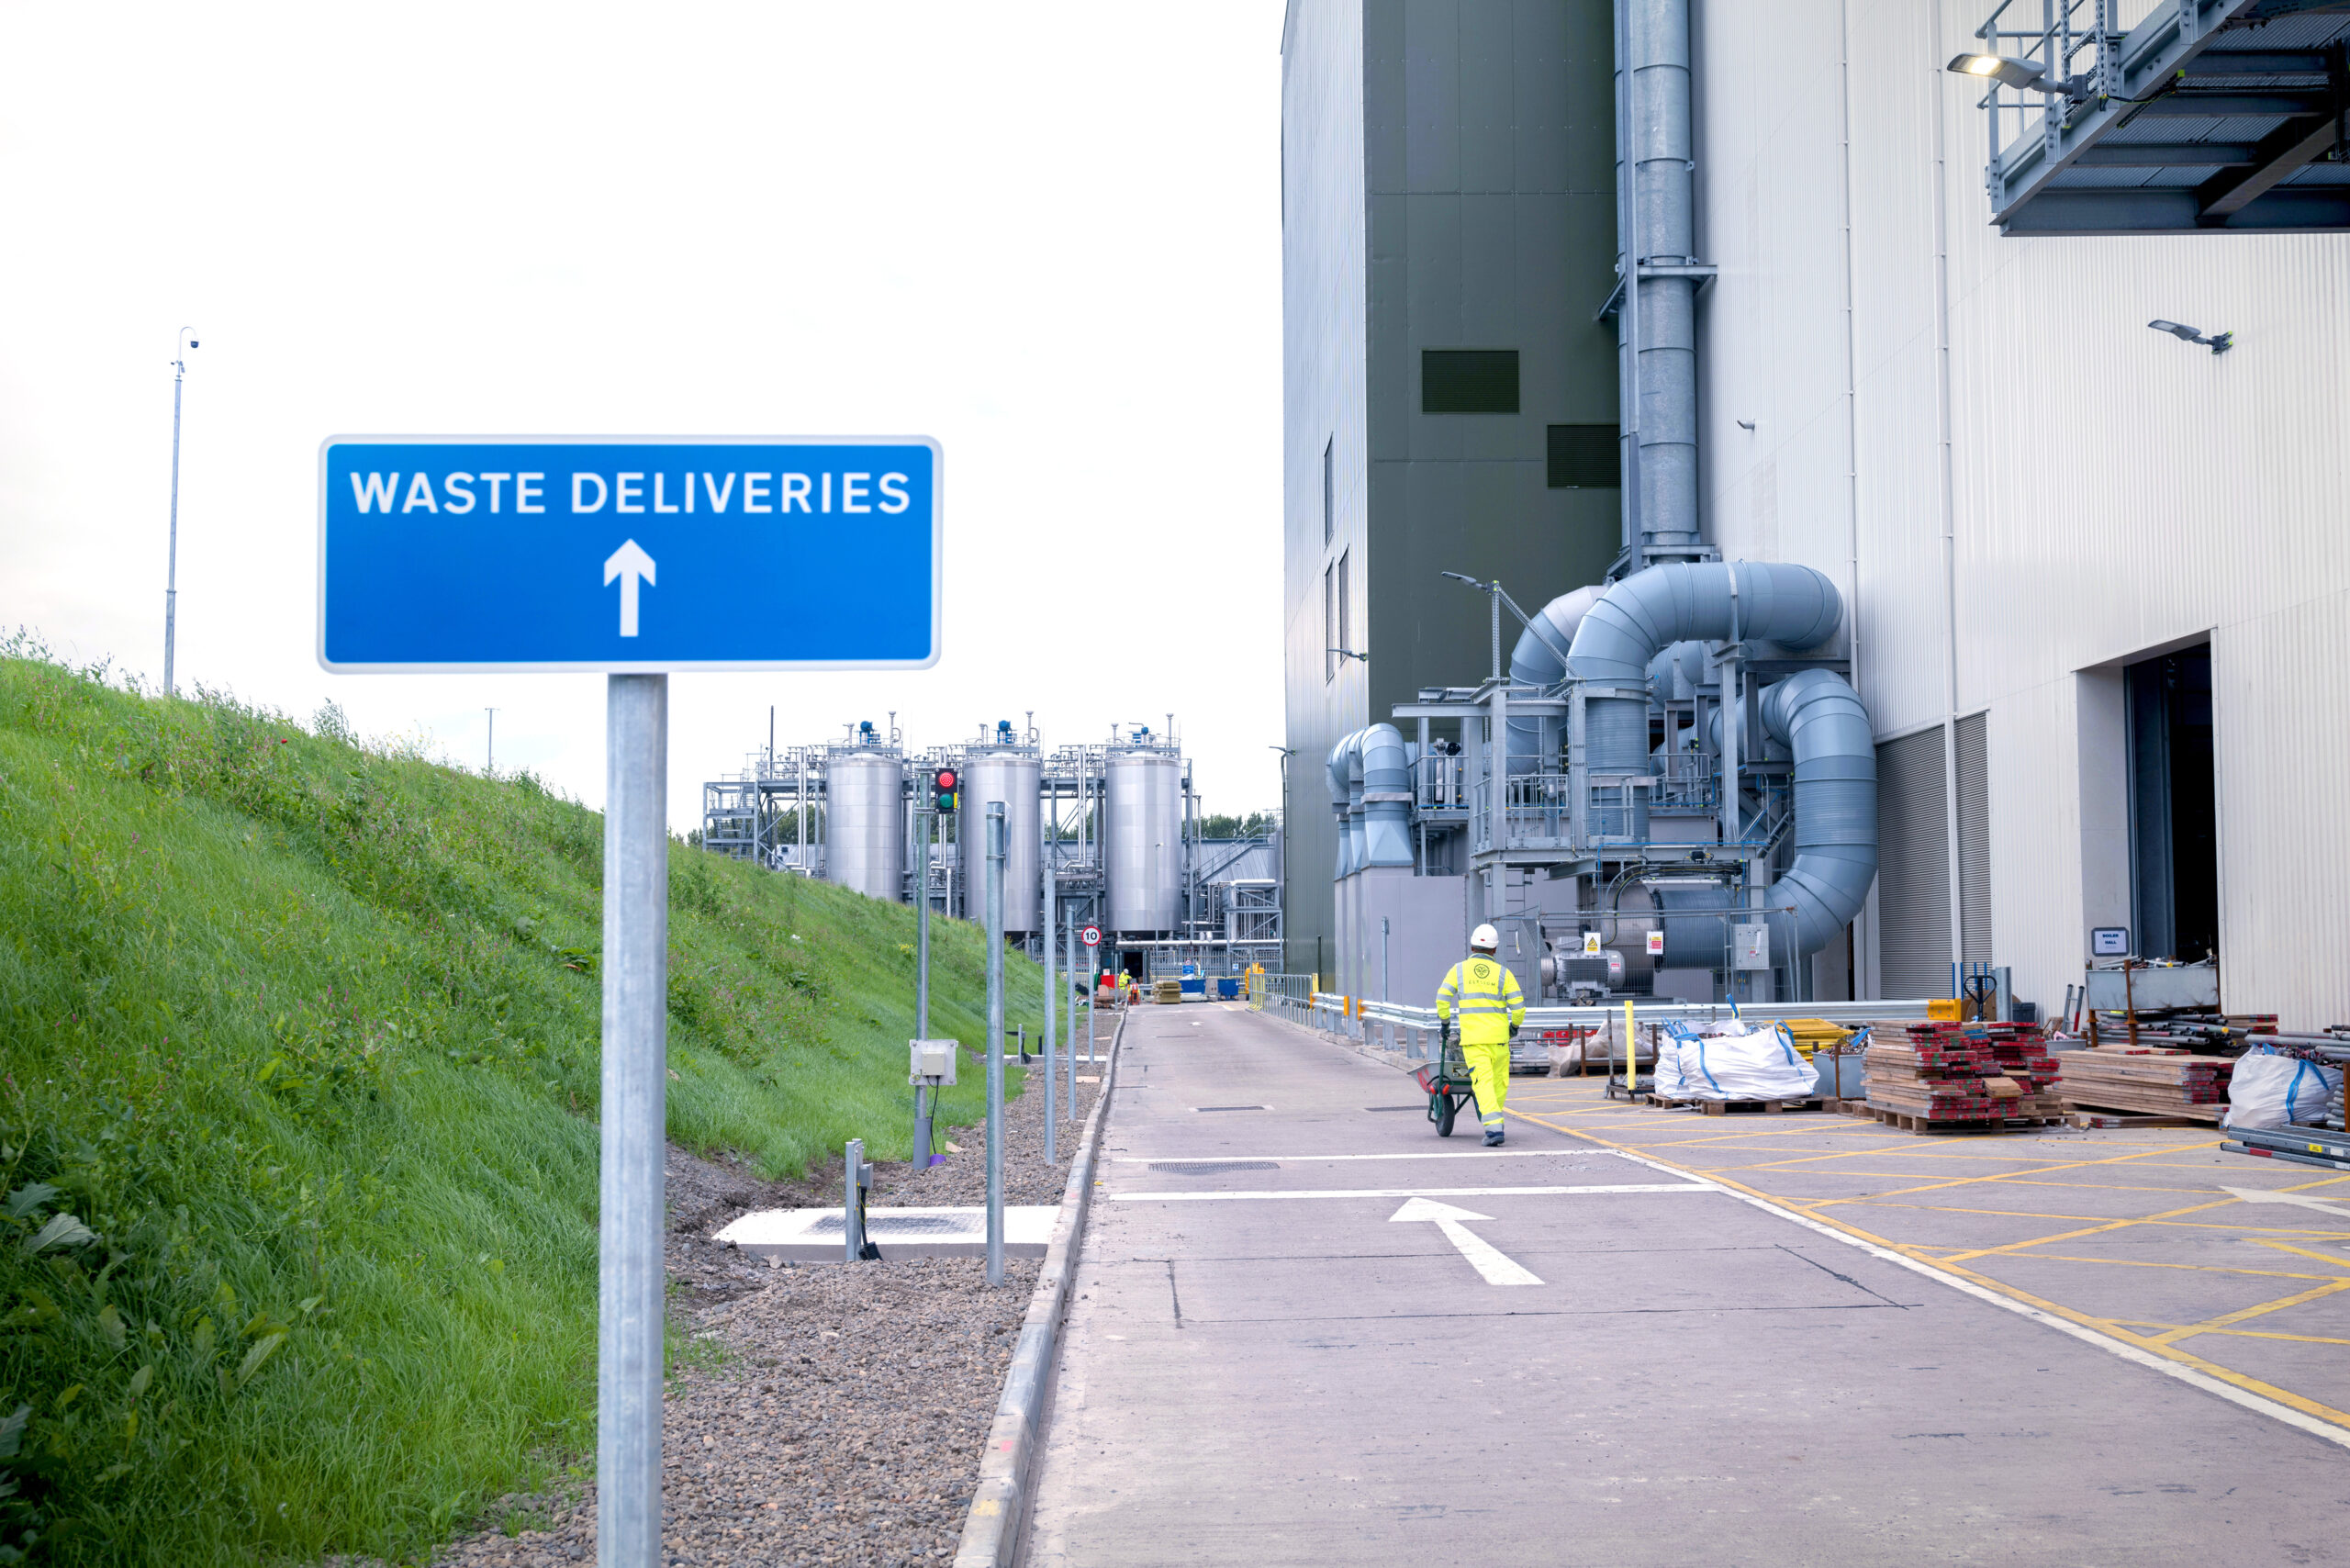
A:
1491, 1006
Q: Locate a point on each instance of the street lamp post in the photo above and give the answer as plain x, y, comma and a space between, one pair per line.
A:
180, 345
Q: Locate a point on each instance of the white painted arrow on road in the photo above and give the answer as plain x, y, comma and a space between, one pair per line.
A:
2301, 1200
1482, 1255
629, 563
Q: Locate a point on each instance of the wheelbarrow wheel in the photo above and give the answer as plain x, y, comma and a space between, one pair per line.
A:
1445, 1110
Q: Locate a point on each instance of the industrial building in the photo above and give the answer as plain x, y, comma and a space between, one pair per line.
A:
1113, 829
1923, 612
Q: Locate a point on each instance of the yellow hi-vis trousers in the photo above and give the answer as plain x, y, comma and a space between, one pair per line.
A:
1489, 1076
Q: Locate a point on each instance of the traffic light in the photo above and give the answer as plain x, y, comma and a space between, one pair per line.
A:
945, 790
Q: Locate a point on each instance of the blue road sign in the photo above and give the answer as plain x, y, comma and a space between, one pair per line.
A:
610, 554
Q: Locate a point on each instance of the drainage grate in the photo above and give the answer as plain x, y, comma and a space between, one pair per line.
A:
897, 1225
1212, 1167
1394, 1107
1232, 1107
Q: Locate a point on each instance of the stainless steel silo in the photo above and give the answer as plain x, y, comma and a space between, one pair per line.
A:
1144, 842
1010, 776
865, 823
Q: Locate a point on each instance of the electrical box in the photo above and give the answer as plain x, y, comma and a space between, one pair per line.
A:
1751, 946
933, 1062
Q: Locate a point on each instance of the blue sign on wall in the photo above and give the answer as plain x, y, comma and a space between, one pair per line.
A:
599, 554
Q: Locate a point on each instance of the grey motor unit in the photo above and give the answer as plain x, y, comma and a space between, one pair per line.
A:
1144, 842
865, 822
1011, 776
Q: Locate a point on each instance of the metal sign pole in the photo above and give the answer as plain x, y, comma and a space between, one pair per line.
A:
925, 1103
1071, 1005
922, 926
633, 1112
995, 1041
1052, 912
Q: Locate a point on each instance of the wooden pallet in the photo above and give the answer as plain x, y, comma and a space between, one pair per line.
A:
1912, 1124
2086, 1119
1740, 1107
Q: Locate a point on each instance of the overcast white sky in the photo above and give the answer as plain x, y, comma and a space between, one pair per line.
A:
1047, 235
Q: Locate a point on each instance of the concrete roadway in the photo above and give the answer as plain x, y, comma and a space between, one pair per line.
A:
1289, 1379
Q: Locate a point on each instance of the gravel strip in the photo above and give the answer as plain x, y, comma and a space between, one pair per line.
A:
828, 1413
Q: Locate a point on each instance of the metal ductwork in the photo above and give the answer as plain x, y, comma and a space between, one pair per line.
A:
1370, 796
1386, 798
1341, 802
1657, 230
1821, 719
1538, 661
1642, 615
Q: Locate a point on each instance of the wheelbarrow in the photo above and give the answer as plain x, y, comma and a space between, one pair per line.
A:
1446, 1079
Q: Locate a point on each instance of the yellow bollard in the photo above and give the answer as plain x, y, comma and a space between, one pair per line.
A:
1632, 1052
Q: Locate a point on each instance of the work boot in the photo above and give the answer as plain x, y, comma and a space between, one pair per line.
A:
1493, 1137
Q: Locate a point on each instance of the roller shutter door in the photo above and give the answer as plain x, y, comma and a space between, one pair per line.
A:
1913, 870
1974, 838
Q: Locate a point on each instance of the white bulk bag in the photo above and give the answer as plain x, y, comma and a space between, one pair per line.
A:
1745, 1061
2271, 1091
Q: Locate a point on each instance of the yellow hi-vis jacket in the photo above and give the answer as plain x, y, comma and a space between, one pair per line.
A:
1488, 998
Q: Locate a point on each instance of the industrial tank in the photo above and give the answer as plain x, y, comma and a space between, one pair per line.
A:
864, 826
1144, 842
1010, 776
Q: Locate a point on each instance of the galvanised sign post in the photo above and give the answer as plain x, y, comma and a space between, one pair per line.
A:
633, 557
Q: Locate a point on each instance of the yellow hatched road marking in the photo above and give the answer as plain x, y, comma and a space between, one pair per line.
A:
2105, 1326
2244, 1315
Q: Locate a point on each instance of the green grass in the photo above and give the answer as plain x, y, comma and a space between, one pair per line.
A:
304, 1036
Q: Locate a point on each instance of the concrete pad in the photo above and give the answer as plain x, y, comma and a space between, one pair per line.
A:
1692, 1380
815, 1236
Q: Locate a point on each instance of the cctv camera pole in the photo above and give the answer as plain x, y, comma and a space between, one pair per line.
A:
171, 559
995, 1042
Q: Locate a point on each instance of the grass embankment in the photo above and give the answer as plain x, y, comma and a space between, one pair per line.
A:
303, 1038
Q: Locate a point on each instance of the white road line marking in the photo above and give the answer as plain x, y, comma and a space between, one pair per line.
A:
1411, 1193
1486, 1258
2300, 1199
1302, 1158
2312, 1424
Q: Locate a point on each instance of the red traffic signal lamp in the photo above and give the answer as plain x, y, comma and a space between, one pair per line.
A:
946, 789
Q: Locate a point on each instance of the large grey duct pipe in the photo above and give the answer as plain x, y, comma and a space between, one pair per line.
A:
1386, 798
1340, 799
1657, 232
1640, 617
1821, 720
1370, 796
1537, 662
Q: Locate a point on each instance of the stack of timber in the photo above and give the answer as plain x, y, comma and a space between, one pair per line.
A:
2148, 1081
1809, 1035
1962, 1074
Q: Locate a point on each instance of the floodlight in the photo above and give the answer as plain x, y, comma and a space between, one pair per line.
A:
2005, 71
2219, 342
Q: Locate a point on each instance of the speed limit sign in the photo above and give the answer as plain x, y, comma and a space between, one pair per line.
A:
1090, 936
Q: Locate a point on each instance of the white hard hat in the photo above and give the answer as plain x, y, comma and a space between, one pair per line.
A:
1485, 939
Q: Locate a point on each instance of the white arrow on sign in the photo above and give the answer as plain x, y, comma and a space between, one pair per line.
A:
629, 563
1482, 1255
2301, 1200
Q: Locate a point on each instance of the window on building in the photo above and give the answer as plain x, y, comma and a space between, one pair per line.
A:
1345, 631
1329, 620
1585, 457
1467, 381
1329, 493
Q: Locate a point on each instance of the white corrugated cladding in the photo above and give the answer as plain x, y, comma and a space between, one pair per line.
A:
2111, 490
1325, 301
